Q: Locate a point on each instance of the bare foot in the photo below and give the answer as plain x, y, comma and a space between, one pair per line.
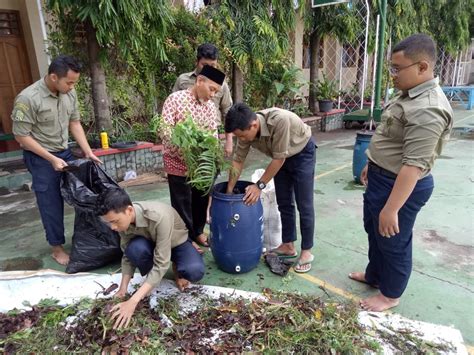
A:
360, 276
60, 255
285, 249
182, 284
379, 303
202, 240
199, 250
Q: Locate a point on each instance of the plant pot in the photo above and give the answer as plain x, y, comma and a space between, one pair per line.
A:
325, 105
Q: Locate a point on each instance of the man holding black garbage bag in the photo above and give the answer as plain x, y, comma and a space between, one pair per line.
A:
43, 114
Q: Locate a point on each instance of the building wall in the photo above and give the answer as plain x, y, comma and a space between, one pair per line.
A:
332, 66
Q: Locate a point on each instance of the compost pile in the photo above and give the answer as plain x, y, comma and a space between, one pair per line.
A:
284, 323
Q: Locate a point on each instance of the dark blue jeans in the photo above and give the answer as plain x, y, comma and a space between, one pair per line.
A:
295, 182
189, 262
390, 259
47, 188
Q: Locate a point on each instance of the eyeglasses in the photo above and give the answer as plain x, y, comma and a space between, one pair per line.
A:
395, 71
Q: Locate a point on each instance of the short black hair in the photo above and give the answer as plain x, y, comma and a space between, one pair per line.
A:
62, 64
114, 199
207, 51
417, 46
240, 116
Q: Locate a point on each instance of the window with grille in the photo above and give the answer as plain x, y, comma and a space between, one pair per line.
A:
307, 53
349, 56
9, 23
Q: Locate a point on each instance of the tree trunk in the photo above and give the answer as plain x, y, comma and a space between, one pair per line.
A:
237, 84
314, 43
99, 89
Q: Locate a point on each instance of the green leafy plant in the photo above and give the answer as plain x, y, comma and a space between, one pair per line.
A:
273, 88
145, 132
326, 89
202, 152
287, 89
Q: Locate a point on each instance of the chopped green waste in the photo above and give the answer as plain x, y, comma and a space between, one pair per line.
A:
282, 323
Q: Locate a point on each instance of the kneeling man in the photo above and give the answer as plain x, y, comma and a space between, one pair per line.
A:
152, 234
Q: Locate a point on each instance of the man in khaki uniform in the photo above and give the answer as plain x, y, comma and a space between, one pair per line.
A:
415, 126
281, 135
207, 54
43, 115
152, 234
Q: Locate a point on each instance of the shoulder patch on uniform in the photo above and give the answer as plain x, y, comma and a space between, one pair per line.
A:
19, 115
20, 106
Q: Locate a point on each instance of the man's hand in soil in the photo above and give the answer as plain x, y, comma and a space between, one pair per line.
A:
122, 313
120, 293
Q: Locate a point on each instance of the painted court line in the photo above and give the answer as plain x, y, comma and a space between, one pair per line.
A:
329, 287
332, 171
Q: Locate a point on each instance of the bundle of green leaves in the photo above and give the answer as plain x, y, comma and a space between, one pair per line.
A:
202, 152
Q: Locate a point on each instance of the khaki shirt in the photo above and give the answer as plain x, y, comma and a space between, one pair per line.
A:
414, 129
282, 135
222, 99
38, 113
161, 224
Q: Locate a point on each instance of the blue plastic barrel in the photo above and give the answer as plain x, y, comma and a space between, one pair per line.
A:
359, 159
236, 237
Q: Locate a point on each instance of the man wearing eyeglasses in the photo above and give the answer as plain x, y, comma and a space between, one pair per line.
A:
414, 128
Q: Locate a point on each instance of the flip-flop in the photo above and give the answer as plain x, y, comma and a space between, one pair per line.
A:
299, 264
283, 255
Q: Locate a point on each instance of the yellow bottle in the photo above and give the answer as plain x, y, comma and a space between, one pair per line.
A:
104, 140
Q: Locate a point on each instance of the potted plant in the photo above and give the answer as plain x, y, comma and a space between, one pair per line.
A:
326, 93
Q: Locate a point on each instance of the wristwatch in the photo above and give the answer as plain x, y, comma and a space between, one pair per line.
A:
260, 184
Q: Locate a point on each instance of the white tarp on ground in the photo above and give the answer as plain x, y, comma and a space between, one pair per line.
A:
17, 287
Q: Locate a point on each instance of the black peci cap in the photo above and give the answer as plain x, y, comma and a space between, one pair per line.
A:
213, 74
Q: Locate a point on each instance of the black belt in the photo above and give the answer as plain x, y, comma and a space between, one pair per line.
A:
375, 168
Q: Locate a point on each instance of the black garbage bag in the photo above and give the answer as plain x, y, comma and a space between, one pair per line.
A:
94, 244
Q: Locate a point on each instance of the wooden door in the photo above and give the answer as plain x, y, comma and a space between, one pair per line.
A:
15, 72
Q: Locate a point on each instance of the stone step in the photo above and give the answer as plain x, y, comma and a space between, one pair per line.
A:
13, 174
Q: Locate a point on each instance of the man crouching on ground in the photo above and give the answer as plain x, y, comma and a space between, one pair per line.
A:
152, 234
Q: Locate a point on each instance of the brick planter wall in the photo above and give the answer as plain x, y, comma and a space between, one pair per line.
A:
331, 120
326, 121
144, 158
